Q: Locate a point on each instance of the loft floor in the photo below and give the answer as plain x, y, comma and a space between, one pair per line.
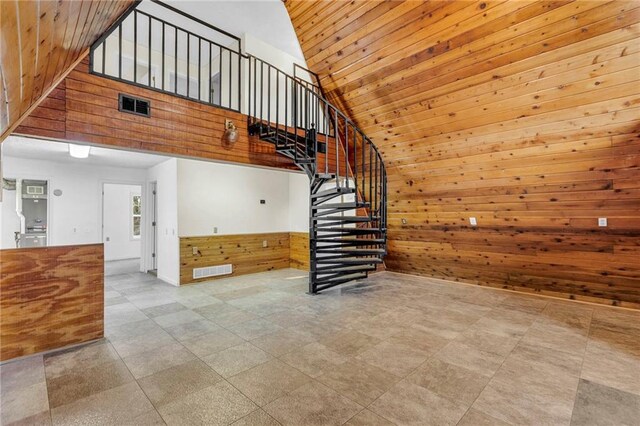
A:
398, 349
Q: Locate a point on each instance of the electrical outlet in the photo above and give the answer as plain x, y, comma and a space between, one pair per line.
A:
265, 244
602, 222
404, 221
473, 221
194, 250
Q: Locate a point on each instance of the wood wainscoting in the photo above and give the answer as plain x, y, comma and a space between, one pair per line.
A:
244, 251
522, 114
50, 297
299, 248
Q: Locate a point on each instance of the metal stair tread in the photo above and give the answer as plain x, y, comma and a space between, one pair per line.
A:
348, 218
357, 252
350, 260
347, 277
334, 191
324, 270
346, 206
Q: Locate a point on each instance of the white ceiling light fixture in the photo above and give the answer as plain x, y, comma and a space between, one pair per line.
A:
79, 151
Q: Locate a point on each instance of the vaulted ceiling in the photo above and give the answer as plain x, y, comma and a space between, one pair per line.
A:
41, 41
522, 114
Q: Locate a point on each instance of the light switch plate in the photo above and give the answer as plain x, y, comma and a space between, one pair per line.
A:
602, 222
194, 250
473, 221
265, 244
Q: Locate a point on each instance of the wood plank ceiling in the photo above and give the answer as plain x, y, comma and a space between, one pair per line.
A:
40, 41
522, 114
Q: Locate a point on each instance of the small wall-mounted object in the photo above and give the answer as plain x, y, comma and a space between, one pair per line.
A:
194, 251
265, 244
602, 222
57, 192
473, 221
404, 221
230, 136
133, 105
215, 229
263, 202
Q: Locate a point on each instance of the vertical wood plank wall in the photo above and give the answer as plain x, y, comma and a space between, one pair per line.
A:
50, 297
40, 41
523, 114
299, 249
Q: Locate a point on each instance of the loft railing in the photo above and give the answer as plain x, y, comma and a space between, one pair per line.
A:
284, 105
151, 52
145, 50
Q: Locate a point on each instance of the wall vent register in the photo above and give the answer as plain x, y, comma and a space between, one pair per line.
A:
134, 105
212, 271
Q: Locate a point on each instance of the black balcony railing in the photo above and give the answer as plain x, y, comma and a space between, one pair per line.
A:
148, 51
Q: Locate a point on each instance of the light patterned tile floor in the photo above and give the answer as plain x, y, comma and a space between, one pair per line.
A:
394, 349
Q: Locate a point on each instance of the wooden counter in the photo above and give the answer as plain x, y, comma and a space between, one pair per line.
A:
50, 297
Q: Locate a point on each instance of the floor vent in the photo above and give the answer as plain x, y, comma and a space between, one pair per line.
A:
212, 271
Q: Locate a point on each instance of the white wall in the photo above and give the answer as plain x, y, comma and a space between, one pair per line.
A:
228, 197
75, 217
193, 197
276, 57
168, 255
119, 242
298, 202
279, 59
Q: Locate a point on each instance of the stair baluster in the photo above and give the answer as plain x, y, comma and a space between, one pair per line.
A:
347, 223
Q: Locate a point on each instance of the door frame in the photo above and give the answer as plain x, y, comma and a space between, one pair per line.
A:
152, 223
143, 220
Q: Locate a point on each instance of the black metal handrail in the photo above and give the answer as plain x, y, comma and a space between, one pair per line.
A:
284, 105
217, 69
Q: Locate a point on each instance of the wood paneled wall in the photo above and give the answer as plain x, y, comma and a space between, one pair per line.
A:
40, 41
84, 108
50, 297
299, 250
523, 114
245, 252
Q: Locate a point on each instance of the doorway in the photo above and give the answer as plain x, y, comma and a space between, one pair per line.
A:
154, 228
122, 227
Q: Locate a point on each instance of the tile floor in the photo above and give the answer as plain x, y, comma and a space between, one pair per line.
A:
119, 267
396, 349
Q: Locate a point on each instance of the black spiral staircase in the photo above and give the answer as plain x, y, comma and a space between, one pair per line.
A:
348, 181
348, 190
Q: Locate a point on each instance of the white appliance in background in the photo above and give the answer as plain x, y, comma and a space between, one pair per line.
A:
32, 209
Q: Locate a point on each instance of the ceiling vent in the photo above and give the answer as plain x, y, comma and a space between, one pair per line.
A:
133, 105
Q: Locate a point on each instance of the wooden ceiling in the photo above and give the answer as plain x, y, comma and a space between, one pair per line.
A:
40, 42
522, 114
